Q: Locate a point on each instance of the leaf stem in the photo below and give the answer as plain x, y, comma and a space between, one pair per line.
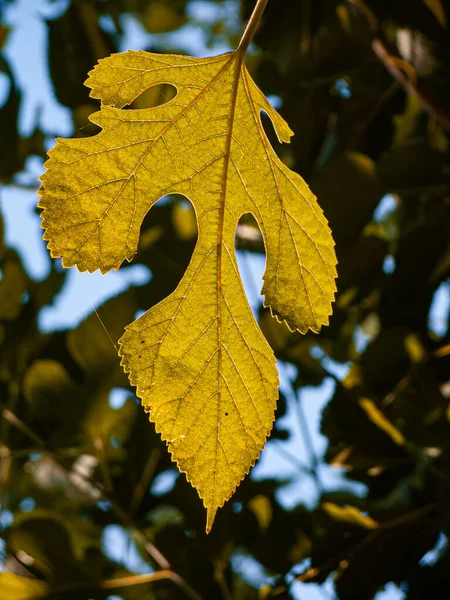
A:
12, 419
252, 26
116, 583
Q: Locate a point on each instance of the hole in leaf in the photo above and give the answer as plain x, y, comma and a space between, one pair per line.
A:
157, 95
284, 151
270, 132
167, 241
251, 258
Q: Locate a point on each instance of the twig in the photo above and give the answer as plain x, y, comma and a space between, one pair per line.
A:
278, 445
122, 515
392, 64
428, 103
219, 576
9, 416
117, 583
252, 26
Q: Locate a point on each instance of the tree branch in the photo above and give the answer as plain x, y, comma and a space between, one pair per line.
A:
121, 514
117, 583
392, 64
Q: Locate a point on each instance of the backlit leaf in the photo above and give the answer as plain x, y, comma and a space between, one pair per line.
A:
349, 514
13, 587
438, 10
200, 364
161, 18
377, 417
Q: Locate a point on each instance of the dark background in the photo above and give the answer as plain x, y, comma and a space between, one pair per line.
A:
351, 495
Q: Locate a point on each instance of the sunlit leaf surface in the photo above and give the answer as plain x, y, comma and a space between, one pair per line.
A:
205, 373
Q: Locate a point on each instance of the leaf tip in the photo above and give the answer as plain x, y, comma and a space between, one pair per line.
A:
210, 516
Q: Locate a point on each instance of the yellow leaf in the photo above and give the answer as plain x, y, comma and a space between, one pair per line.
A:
349, 514
13, 587
205, 373
438, 10
183, 219
414, 348
261, 507
161, 18
377, 417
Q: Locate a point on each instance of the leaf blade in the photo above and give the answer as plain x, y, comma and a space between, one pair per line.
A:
209, 382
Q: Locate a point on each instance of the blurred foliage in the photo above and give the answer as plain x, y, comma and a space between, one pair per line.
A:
366, 87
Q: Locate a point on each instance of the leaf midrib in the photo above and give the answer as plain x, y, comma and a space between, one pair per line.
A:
238, 56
